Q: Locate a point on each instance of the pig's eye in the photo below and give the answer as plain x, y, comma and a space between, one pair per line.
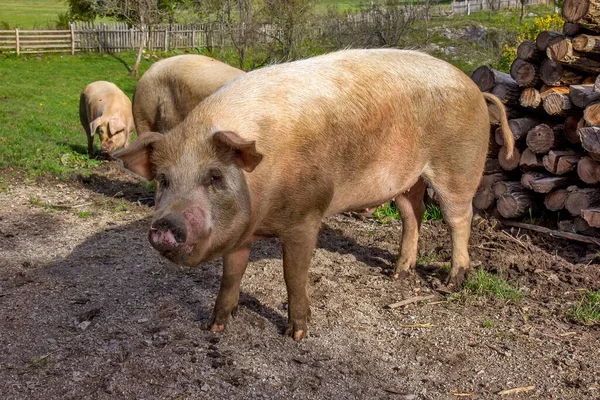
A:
216, 178
162, 180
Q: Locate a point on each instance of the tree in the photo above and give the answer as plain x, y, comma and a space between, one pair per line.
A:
142, 14
290, 17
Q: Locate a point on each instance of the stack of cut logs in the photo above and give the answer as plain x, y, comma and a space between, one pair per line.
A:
552, 99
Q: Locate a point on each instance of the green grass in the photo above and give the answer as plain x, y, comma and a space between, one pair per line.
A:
587, 310
432, 213
387, 212
487, 324
483, 284
84, 214
40, 131
30, 14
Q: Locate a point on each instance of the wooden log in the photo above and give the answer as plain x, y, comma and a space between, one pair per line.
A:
581, 226
590, 139
492, 165
597, 84
591, 114
515, 204
586, 13
543, 138
562, 51
586, 43
493, 147
554, 73
582, 198
518, 127
572, 124
560, 162
507, 163
505, 187
566, 225
588, 170
546, 185
543, 39
555, 200
571, 29
528, 51
508, 94
484, 197
591, 216
582, 95
486, 78
531, 98
556, 103
528, 177
525, 73
529, 160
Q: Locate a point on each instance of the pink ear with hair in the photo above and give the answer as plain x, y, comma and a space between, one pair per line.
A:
244, 151
94, 125
137, 157
115, 124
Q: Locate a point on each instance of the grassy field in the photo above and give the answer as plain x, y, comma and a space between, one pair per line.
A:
30, 14
39, 102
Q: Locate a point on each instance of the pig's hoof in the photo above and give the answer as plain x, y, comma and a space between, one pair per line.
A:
402, 274
217, 328
456, 278
297, 330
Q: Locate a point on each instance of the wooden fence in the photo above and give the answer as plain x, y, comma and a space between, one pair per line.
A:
115, 37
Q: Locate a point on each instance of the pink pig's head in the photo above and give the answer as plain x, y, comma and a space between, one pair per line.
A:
202, 200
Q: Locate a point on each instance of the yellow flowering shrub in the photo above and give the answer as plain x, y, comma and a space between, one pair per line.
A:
528, 31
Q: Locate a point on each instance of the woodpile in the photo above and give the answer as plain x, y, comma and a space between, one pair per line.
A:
552, 97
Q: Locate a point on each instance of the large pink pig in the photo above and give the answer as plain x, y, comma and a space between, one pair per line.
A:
277, 149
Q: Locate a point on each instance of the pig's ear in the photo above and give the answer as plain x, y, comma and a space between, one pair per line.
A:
95, 124
115, 124
244, 151
137, 157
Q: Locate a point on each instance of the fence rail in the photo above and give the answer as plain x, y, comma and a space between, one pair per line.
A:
117, 37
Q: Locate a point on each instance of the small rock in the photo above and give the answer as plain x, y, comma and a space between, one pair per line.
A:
205, 387
84, 325
142, 320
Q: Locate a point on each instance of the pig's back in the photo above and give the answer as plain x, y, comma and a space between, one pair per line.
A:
358, 125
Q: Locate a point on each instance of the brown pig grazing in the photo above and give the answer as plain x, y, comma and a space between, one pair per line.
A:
103, 107
276, 150
172, 87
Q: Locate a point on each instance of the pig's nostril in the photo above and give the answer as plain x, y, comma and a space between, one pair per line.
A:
173, 226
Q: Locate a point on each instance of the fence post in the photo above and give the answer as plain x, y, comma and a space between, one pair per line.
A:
72, 39
99, 41
194, 37
166, 39
17, 40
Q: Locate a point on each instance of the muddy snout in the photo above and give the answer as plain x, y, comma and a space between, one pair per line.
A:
168, 233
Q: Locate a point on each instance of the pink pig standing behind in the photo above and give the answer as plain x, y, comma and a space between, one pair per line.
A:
105, 109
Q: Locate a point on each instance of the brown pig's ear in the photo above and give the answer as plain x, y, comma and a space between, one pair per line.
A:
244, 151
136, 157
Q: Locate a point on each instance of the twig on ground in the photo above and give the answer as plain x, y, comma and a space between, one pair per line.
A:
559, 234
517, 390
42, 358
412, 326
411, 300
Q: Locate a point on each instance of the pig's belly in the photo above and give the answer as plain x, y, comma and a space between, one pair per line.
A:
370, 190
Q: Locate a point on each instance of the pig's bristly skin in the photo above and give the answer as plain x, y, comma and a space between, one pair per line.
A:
105, 109
277, 149
172, 87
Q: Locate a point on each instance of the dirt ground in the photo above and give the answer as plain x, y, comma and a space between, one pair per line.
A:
88, 310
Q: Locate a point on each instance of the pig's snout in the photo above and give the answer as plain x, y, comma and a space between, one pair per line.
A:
168, 232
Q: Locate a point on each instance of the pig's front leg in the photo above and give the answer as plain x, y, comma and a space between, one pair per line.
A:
298, 246
234, 265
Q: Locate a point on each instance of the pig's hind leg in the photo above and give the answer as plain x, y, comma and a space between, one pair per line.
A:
411, 207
